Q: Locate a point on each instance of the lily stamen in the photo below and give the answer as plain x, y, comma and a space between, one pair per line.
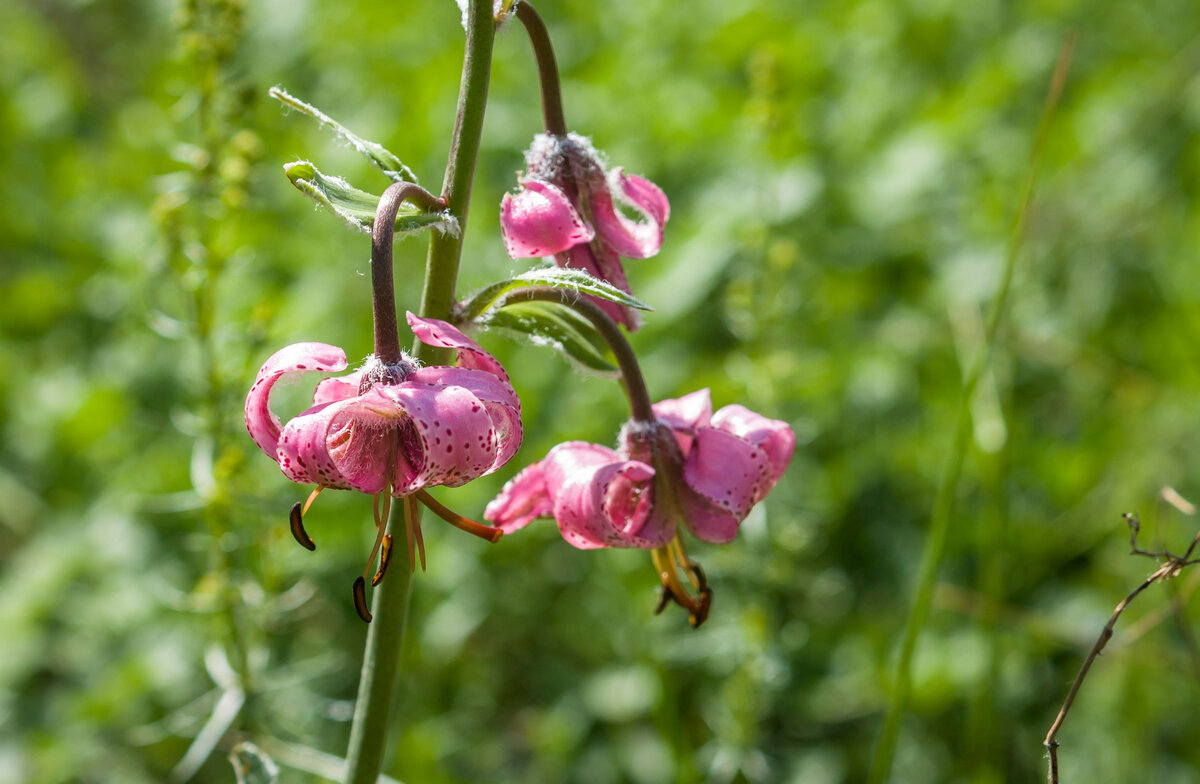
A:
360, 600
458, 521
312, 497
670, 560
296, 522
385, 560
416, 542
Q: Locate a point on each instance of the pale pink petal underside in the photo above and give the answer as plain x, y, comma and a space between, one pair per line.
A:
540, 221
331, 390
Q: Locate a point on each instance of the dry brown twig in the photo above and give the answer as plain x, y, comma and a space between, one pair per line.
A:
1171, 566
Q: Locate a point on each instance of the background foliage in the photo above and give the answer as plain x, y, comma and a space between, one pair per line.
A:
842, 178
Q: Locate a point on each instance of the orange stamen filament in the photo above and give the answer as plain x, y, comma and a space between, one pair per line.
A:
458, 521
411, 530
311, 497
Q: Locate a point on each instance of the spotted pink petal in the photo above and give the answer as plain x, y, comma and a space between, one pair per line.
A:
540, 221
684, 415
728, 471
772, 436
634, 239
264, 426
602, 500
706, 521
496, 395
452, 440
349, 444
523, 499
434, 332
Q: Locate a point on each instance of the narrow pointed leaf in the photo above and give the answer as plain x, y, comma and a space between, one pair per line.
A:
376, 153
357, 207
557, 277
557, 326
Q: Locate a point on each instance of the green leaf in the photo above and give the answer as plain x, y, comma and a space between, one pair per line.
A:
555, 325
556, 277
357, 207
376, 153
251, 765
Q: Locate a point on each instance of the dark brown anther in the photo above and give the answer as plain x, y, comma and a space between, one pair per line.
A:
700, 614
664, 598
360, 600
385, 558
296, 518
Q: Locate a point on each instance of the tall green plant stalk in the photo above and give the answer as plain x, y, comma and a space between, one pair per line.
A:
369, 731
943, 505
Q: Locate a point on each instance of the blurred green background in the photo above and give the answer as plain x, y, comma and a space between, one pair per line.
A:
843, 177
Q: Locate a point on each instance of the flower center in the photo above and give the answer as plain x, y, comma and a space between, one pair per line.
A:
376, 371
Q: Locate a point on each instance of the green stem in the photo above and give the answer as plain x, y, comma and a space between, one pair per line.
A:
368, 733
640, 406
445, 249
943, 505
543, 52
389, 606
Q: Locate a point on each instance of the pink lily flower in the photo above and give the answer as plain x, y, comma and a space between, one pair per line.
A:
394, 429
567, 208
691, 466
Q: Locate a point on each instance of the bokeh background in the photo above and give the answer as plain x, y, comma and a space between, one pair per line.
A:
843, 177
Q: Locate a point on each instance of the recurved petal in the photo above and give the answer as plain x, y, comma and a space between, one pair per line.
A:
452, 439
772, 436
263, 425
540, 221
684, 415
435, 332
601, 500
523, 499
496, 395
349, 444
635, 239
728, 471
643, 194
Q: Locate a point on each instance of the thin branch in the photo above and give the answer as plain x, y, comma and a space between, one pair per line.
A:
640, 406
1171, 567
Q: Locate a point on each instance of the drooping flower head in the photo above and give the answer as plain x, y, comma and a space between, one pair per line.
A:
569, 207
388, 430
691, 466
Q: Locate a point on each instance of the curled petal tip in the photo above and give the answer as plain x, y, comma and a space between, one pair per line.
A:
261, 422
